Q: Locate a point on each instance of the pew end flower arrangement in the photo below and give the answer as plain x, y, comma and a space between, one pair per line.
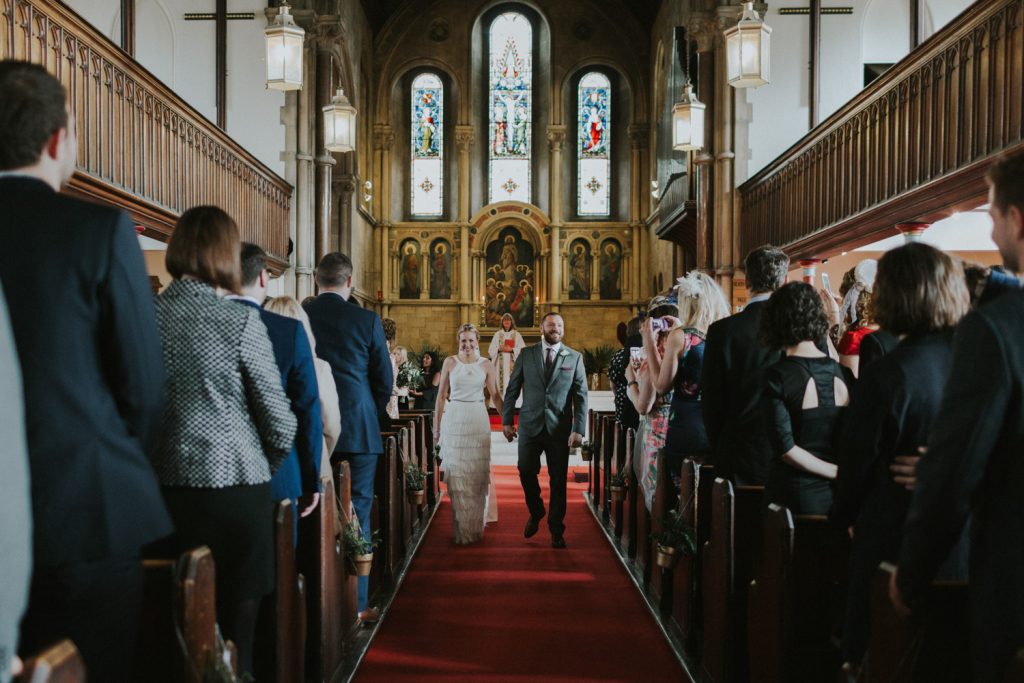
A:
676, 538
415, 480
587, 451
358, 550
618, 483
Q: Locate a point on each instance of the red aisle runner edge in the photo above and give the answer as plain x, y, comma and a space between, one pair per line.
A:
512, 609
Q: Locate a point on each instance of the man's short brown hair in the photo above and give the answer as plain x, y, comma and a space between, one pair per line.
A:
919, 289
334, 270
33, 107
1006, 177
205, 245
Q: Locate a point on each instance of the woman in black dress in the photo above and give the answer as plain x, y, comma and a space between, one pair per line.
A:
804, 398
920, 295
426, 398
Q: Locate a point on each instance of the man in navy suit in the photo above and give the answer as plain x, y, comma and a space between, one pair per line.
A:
299, 476
81, 309
351, 339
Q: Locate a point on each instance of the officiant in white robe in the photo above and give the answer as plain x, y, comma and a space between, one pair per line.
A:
504, 350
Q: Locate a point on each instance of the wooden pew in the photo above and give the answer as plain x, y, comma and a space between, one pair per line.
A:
1015, 674
795, 602
665, 499
179, 614
695, 502
59, 663
618, 460
726, 569
426, 449
281, 633
594, 481
330, 591
606, 455
931, 645
627, 540
389, 499
422, 453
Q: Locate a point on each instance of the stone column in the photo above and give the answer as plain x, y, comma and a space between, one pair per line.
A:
464, 136
324, 159
723, 195
344, 187
556, 141
383, 139
638, 140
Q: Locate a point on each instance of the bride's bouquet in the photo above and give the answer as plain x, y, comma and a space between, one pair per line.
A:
409, 377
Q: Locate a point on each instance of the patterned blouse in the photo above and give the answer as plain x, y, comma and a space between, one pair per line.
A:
227, 421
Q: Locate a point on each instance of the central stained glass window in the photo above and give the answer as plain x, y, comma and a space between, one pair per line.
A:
427, 145
593, 149
510, 108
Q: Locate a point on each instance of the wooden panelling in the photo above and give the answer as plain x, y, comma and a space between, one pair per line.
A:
140, 146
913, 145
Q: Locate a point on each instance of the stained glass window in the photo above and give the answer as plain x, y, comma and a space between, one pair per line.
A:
593, 149
427, 145
510, 107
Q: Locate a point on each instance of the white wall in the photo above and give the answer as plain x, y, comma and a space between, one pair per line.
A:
182, 55
773, 117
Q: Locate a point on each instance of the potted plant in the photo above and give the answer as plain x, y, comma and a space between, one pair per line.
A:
587, 451
414, 481
596, 362
618, 483
358, 550
676, 537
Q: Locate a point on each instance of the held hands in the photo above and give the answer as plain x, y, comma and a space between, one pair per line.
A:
509, 431
575, 440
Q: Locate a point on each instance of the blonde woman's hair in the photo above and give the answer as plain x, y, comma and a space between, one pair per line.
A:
401, 355
701, 300
468, 327
290, 308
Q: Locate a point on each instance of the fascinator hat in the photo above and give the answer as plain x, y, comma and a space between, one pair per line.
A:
863, 281
662, 301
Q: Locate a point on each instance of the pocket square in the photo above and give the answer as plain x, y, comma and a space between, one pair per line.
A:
566, 369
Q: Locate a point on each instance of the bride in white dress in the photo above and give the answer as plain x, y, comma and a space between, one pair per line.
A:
461, 418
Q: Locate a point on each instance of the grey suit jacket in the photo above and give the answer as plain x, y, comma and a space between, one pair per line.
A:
557, 405
15, 508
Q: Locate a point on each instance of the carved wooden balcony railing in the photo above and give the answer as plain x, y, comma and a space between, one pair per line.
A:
140, 146
912, 145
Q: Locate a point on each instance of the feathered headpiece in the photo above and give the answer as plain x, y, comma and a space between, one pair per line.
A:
689, 286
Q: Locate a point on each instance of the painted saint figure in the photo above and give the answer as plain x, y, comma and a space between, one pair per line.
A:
611, 266
410, 288
579, 272
440, 279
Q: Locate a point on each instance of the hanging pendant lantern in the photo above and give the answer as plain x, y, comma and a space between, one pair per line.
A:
748, 50
688, 122
340, 124
284, 52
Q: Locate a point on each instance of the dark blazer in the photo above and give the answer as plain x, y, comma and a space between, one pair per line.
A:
875, 346
82, 312
734, 363
351, 339
300, 472
974, 467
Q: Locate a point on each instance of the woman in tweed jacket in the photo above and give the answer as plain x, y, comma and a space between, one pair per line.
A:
227, 425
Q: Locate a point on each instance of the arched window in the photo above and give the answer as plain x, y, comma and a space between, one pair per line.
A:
593, 148
510, 107
427, 145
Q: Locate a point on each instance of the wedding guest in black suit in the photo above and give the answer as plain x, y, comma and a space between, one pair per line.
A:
82, 313
228, 425
734, 362
920, 295
804, 400
973, 468
352, 340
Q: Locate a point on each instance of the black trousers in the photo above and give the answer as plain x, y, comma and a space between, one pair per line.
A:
556, 451
95, 604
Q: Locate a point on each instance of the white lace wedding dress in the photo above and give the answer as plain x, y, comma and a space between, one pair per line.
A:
466, 450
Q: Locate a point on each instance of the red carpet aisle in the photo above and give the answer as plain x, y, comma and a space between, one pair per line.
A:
511, 609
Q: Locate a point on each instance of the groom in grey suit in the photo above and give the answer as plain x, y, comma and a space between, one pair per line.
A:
552, 420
